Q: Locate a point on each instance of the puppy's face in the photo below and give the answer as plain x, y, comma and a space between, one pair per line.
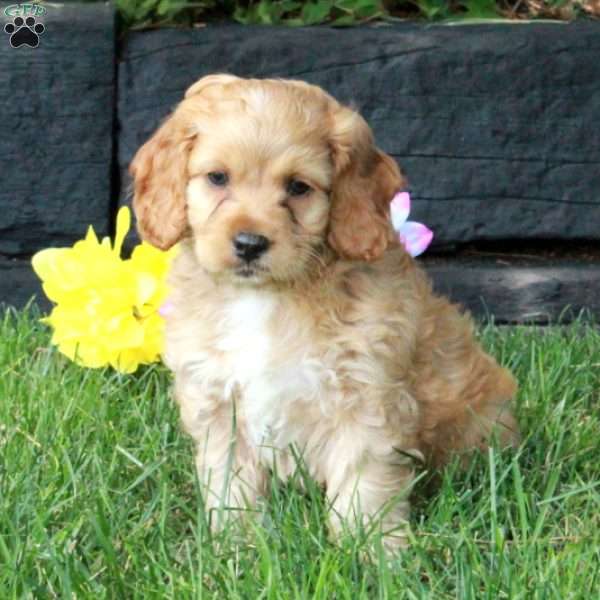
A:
264, 175
258, 188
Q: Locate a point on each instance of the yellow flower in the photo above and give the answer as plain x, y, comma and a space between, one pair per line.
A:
106, 309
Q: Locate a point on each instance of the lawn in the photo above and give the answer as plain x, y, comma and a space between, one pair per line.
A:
98, 497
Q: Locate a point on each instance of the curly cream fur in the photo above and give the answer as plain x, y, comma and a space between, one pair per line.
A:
336, 346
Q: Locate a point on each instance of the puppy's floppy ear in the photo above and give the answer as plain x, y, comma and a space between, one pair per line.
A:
159, 171
159, 168
364, 182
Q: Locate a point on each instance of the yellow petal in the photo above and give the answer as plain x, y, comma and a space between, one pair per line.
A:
148, 258
127, 361
90, 235
106, 307
123, 331
91, 354
44, 260
123, 225
85, 353
146, 288
60, 270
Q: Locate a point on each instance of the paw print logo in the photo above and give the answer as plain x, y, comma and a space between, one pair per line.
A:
24, 32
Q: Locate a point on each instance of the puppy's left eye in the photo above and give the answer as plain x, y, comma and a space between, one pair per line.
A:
218, 178
295, 187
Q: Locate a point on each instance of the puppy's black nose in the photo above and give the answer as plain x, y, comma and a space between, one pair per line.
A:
249, 246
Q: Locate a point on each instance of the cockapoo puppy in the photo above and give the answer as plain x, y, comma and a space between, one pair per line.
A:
297, 320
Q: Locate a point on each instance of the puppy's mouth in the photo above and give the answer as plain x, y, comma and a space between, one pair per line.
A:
251, 272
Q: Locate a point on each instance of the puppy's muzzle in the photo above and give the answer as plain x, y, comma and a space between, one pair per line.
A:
250, 246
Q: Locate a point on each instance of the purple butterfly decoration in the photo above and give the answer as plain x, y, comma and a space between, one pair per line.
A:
415, 237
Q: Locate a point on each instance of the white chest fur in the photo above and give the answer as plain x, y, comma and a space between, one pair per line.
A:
268, 357
244, 336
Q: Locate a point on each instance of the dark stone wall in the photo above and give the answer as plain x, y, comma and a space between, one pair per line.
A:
56, 145
517, 291
19, 284
493, 124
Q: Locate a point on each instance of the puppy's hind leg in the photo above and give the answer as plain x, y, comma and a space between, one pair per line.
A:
481, 415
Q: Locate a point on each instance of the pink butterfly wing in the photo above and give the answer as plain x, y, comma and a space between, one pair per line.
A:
400, 209
416, 237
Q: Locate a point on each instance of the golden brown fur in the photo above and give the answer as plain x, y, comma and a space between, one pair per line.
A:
332, 341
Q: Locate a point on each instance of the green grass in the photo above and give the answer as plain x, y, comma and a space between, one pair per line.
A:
151, 13
98, 497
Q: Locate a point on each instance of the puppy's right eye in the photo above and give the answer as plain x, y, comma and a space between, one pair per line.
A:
295, 187
218, 178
